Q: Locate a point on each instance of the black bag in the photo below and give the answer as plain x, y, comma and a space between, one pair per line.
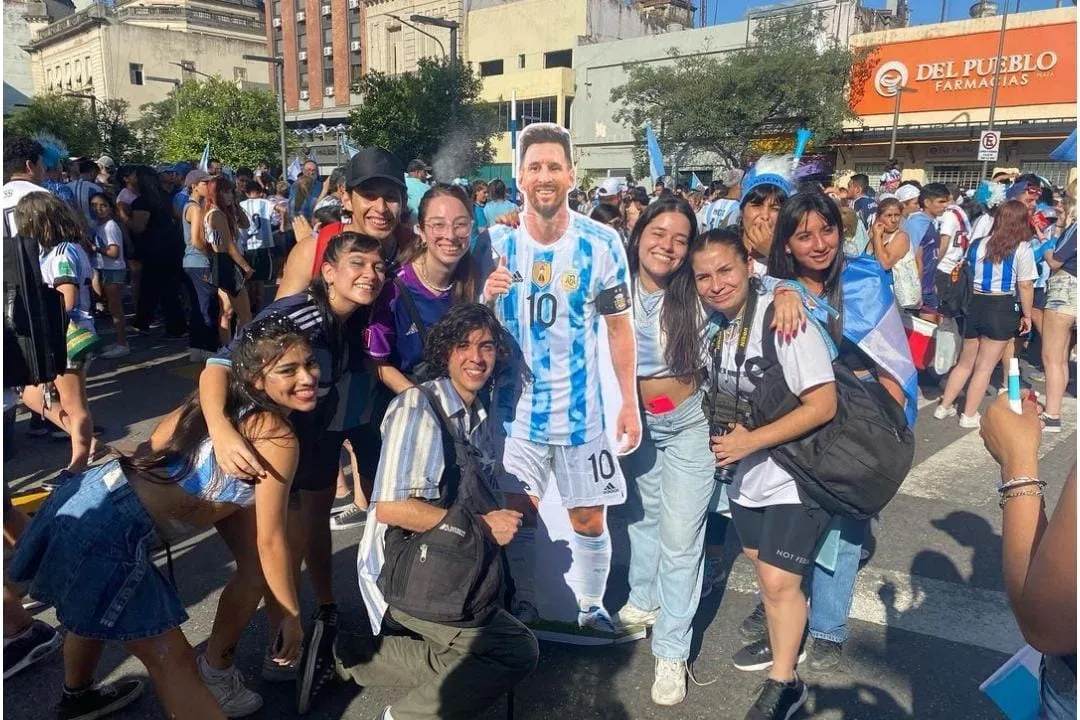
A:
854, 464
35, 321
452, 574
420, 372
954, 290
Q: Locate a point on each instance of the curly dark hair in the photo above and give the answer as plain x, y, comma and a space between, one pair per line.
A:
454, 329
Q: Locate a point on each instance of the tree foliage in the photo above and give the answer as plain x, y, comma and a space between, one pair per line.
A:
241, 124
434, 113
788, 78
68, 118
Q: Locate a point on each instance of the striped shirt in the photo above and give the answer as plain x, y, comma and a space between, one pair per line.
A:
719, 213
550, 392
82, 190
1001, 278
68, 263
410, 466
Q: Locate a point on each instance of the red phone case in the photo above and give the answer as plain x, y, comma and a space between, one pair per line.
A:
659, 405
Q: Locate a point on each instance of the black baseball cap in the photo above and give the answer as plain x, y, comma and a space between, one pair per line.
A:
417, 164
372, 163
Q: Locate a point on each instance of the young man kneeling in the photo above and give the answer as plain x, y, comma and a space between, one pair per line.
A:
458, 668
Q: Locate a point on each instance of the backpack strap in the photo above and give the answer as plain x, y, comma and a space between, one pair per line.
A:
451, 440
411, 310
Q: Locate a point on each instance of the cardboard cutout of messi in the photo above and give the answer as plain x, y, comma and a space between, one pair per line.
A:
566, 406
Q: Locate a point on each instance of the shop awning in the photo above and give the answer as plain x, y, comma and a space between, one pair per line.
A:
1066, 151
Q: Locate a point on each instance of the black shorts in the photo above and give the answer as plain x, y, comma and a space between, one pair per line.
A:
785, 536
994, 317
262, 263
1040, 299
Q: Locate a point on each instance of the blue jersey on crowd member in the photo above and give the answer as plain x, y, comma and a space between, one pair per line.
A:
1065, 250
923, 232
559, 290
1000, 278
393, 335
719, 214
496, 208
866, 207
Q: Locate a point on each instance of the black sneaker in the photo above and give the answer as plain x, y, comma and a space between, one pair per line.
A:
97, 702
349, 518
758, 656
825, 655
37, 642
778, 700
753, 627
318, 659
1050, 424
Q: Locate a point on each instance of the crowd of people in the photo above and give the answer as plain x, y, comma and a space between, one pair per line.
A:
402, 348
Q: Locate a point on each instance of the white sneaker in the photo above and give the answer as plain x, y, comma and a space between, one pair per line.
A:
669, 682
633, 615
228, 689
115, 351
525, 612
944, 411
596, 618
970, 422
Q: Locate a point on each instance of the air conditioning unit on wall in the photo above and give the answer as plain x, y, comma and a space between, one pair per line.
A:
304, 94
276, 22
355, 46
328, 50
328, 91
300, 17
302, 55
354, 4
325, 10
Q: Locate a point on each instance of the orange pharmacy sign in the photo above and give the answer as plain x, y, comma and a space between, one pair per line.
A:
1038, 67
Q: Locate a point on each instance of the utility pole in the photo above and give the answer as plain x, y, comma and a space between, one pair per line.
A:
997, 74
279, 64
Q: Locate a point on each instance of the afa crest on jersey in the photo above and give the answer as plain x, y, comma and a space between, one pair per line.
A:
570, 281
541, 273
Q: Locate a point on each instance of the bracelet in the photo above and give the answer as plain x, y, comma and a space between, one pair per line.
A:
1020, 481
1030, 492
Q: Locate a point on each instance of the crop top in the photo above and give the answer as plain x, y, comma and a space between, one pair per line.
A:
206, 480
651, 361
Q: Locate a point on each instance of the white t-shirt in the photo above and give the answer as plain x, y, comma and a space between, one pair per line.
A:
104, 236
68, 263
806, 363
126, 196
259, 234
954, 223
13, 192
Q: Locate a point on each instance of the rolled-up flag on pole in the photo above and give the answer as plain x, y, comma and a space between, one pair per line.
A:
656, 158
204, 163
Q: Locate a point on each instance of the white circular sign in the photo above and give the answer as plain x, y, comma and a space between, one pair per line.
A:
890, 77
989, 140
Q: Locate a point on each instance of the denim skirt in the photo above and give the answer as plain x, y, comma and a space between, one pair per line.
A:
87, 552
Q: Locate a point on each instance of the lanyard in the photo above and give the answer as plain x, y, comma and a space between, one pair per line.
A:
740, 346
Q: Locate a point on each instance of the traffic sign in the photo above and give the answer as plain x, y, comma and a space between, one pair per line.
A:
989, 141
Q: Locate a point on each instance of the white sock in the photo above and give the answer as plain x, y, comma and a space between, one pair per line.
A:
522, 556
211, 673
589, 571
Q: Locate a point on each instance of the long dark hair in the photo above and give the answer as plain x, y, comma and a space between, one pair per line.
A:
151, 190
464, 278
49, 220
680, 318
782, 264
263, 342
319, 291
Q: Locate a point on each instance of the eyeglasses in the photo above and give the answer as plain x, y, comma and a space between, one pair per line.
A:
460, 227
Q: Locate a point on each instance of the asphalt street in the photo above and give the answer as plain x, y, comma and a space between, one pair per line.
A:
929, 620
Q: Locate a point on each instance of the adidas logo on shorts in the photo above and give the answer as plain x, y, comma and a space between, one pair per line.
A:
610, 489
412, 330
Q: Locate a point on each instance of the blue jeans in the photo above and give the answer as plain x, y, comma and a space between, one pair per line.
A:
1057, 690
203, 318
831, 593
669, 484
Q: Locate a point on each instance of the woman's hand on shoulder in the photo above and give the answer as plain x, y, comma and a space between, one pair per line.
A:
789, 315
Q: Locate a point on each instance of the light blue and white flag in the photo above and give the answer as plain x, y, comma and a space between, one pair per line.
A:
204, 163
695, 182
656, 158
346, 148
294, 170
1014, 687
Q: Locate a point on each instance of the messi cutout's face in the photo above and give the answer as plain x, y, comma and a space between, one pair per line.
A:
546, 176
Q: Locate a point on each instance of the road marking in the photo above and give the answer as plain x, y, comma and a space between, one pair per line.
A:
937, 608
963, 471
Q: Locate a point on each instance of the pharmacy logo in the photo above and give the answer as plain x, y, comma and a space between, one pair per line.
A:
890, 77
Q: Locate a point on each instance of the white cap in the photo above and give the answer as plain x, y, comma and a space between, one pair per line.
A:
906, 192
611, 186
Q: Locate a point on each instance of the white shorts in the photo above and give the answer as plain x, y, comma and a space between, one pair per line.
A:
587, 475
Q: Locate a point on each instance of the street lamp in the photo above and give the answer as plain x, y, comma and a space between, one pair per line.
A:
900, 90
438, 42
188, 66
175, 83
451, 25
279, 63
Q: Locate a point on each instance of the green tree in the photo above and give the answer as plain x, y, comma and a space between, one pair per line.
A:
68, 118
434, 113
788, 78
240, 124
116, 136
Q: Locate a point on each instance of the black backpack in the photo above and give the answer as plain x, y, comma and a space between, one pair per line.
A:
35, 321
452, 574
855, 463
420, 372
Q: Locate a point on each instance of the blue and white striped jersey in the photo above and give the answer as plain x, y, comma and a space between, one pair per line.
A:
1001, 278
550, 393
719, 214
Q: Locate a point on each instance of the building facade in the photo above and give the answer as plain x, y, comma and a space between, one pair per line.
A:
526, 49
19, 15
946, 71
606, 146
132, 50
